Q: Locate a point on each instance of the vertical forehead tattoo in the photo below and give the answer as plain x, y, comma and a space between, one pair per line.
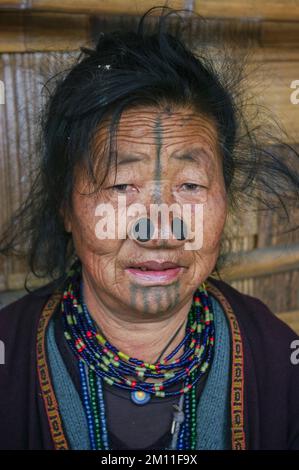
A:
158, 131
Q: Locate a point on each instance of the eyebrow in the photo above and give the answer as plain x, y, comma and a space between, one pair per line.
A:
124, 160
194, 155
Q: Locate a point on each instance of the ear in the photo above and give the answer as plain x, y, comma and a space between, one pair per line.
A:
66, 219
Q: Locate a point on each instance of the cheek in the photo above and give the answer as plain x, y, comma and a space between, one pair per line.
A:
83, 221
214, 217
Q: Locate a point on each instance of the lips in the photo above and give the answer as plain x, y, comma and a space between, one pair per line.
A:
155, 266
155, 272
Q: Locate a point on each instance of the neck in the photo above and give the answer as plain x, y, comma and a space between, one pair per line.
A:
142, 340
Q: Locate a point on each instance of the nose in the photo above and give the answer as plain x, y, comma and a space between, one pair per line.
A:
148, 232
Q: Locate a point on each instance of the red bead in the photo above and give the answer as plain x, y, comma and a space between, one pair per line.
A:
89, 334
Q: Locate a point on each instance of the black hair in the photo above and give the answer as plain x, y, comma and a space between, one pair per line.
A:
127, 69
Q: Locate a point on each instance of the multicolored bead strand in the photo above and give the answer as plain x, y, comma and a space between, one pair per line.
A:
87, 405
102, 415
95, 409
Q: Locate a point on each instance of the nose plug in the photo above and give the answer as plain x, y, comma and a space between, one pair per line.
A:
144, 229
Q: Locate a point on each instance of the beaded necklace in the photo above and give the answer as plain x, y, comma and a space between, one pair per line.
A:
99, 360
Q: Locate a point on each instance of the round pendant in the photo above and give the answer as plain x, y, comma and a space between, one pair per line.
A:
140, 398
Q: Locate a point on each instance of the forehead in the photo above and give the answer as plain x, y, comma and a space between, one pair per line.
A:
147, 127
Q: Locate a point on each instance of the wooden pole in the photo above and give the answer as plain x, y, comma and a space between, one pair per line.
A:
90, 7
261, 262
278, 10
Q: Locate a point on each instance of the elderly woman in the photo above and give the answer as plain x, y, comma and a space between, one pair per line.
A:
133, 344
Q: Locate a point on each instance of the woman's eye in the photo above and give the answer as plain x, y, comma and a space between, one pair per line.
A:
122, 188
192, 186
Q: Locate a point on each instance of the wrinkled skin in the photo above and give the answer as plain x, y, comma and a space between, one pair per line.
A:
164, 155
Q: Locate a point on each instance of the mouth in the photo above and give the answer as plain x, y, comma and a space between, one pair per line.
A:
155, 273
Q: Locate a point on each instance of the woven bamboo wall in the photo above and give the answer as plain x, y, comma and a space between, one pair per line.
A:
35, 39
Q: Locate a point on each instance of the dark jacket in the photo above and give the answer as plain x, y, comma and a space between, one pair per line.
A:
271, 381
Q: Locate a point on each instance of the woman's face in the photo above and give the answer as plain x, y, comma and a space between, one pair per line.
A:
165, 156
